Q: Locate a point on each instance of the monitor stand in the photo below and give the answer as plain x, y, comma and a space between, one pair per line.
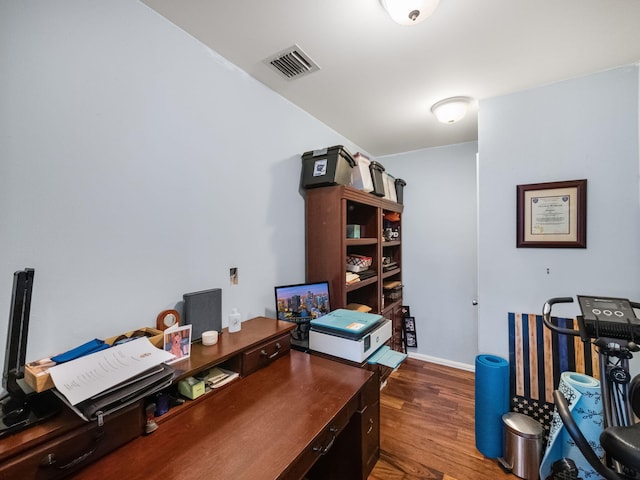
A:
300, 336
31, 410
21, 407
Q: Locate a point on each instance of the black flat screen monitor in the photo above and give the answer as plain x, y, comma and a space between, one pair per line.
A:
302, 302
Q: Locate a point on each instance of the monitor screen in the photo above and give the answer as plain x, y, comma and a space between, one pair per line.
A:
302, 302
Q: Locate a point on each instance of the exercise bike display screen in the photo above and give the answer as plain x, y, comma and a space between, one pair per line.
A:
609, 317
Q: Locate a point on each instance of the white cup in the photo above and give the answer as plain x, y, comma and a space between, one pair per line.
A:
209, 337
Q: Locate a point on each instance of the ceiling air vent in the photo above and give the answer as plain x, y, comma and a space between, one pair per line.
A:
292, 62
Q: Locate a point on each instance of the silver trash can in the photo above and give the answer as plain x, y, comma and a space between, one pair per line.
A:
522, 445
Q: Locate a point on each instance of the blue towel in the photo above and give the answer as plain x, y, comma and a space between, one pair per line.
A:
583, 394
81, 350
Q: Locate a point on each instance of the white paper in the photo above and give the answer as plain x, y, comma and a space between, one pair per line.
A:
87, 376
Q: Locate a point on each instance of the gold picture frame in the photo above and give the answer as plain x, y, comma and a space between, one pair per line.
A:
552, 215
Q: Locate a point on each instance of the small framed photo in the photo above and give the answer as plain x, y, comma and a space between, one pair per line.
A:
406, 311
410, 333
410, 324
178, 342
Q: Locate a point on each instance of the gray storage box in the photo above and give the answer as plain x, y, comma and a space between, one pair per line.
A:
326, 167
400, 184
377, 177
522, 445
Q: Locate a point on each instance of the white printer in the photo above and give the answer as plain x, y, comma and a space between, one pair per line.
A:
349, 334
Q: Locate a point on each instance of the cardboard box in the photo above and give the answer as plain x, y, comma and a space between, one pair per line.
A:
36, 374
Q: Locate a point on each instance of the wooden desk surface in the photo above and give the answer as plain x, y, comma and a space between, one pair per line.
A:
255, 429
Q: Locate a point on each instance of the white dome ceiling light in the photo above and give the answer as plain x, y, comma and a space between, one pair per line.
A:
451, 110
409, 12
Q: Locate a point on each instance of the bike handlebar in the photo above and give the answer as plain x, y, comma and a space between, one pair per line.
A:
553, 301
546, 316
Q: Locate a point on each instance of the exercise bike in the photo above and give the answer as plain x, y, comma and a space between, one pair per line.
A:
612, 326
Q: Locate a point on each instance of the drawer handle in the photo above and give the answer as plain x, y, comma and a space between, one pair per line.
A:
370, 426
264, 353
325, 450
50, 459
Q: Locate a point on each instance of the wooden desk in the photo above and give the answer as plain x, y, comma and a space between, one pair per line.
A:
55, 449
265, 426
275, 422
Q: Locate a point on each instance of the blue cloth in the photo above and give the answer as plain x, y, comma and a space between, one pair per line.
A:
81, 350
491, 402
585, 404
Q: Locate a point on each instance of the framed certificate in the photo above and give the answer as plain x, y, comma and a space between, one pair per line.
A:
552, 215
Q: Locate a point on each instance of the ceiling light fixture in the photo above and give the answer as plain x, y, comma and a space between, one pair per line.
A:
409, 12
451, 110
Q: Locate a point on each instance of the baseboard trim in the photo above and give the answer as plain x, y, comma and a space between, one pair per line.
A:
442, 361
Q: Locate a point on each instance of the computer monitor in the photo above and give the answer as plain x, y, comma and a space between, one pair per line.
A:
302, 302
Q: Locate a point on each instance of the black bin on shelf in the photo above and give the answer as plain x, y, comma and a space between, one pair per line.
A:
326, 167
400, 184
377, 170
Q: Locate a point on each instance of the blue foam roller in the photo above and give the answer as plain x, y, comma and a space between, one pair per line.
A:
491, 402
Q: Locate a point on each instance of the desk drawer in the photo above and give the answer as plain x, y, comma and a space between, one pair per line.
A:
327, 450
68, 453
370, 393
265, 353
370, 435
368, 417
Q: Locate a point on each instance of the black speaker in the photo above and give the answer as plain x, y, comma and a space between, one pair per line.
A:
203, 310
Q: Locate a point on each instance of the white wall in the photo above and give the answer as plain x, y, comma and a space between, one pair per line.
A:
581, 128
439, 249
137, 165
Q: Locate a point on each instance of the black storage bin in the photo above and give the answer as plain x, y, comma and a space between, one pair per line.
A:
328, 166
378, 179
400, 184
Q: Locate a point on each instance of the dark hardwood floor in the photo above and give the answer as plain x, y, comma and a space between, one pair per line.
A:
427, 427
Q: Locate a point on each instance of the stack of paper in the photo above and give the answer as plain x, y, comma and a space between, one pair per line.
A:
217, 377
352, 278
112, 378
